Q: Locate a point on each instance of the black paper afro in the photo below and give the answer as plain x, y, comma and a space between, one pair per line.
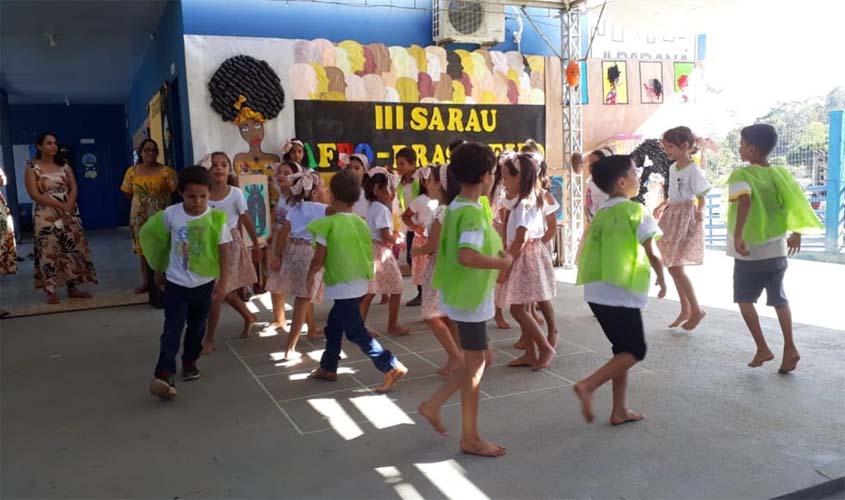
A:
613, 73
246, 76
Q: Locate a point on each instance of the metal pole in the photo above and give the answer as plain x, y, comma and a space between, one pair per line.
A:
835, 184
572, 133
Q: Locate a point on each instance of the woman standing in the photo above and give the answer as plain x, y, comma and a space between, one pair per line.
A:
8, 250
149, 185
62, 257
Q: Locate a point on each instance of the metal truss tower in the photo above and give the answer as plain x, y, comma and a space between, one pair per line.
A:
570, 42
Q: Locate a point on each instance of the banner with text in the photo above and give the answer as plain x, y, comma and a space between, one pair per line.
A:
379, 130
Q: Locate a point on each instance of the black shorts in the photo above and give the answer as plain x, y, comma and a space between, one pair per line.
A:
623, 327
473, 335
751, 277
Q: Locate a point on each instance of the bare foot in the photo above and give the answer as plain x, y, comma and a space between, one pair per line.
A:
142, 289
294, 354
248, 323
321, 374
683, 317
482, 448
520, 344
391, 377
523, 361
553, 339
398, 330
790, 362
544, 361
433, 418
760, 358
586, 397
628, 416
694, 320
279, 327
502, 324
76, 293
207, 348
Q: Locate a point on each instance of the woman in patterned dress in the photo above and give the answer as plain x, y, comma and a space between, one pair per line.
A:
149, 185
8, 250
62, 256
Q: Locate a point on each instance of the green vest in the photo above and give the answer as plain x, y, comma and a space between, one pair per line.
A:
612, 253
415, 191
778, 205
349, 251
203, 238
463, 287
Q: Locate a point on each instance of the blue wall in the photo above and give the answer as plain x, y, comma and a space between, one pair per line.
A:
100, 200
154, 70
306, 20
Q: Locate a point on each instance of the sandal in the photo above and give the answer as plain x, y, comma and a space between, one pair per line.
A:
52, 298
75, 293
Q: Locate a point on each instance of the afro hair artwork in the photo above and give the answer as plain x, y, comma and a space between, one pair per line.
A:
243, 88
613, 74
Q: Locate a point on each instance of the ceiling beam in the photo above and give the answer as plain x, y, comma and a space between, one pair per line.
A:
549, 4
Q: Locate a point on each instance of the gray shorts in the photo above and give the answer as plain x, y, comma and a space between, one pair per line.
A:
751, 277
473, 335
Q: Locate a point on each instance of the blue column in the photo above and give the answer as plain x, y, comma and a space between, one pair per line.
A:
835, 179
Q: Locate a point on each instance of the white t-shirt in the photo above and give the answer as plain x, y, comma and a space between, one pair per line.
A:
234, 204
176, 221
360, 207
686, 184
299, 216
379, 217
280, 213
775, 247
487, 309
423, 209
550, 208
349, 289
593, 199
528, 215
606, 294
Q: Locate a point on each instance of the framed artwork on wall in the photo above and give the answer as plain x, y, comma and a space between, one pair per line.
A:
257, 205
683, 73
651, 82
615, 82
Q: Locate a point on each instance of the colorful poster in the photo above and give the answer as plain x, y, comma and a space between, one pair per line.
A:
557, 191
683, 73
651, 82
257, 205
615, 82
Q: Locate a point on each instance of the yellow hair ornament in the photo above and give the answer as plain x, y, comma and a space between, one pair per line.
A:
246, 113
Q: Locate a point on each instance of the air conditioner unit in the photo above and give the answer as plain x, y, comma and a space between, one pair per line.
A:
468, 21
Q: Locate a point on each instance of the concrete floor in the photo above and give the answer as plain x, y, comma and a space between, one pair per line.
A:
77, 420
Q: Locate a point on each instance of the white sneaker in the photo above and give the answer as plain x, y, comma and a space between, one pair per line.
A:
162, 389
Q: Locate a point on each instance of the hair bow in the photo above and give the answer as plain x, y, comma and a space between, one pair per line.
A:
206, 161
301, 182
508, 155
289, 144
392, 180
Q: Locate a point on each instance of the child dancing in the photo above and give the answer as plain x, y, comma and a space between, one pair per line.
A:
380, 187
765, 204
345, 253
241, 273
681, 221
434, 183
468, 258
614, 270
292, 253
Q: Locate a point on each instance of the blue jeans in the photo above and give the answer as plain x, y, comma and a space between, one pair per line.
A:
345, 316
180, 305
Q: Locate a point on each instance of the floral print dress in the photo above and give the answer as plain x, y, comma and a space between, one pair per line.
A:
8, 250
150, 194
62, 256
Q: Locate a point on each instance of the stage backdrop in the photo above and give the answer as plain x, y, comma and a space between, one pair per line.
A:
372, 99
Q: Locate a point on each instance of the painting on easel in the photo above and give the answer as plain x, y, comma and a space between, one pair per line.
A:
257, 205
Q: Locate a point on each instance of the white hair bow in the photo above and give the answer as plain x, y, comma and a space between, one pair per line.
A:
301, 182
290, 143
508, 155
392, 180
206, 161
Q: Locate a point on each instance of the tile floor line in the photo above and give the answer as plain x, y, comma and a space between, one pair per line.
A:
264, 388
410, 351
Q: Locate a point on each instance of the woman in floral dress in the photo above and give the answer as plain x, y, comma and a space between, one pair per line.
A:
62, 256
8, 250
149, 185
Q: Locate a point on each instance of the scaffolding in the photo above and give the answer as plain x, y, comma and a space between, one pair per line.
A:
570, 42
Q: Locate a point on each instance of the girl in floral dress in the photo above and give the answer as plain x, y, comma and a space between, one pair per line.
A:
8, 249
62, 256
150, 186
